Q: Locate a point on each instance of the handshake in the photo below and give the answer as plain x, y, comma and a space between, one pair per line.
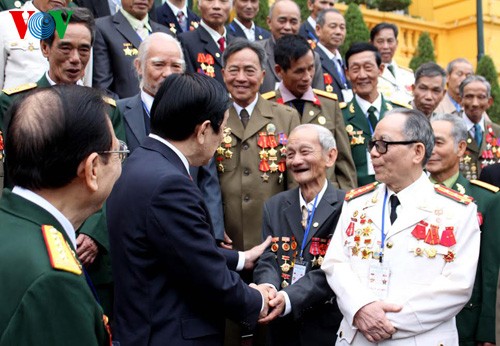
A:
274, 303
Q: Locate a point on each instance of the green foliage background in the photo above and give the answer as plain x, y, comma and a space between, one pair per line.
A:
357, 30
486, 68
424, 52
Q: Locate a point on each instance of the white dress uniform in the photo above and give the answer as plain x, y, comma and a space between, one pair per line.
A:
429, 260
397, 87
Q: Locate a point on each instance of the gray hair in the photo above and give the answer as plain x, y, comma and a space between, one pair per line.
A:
239, 44
458, 129
416, 128
475, 78
325, 136
451, 64
430, 69
320, 20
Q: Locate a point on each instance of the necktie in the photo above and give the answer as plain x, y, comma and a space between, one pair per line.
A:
372, 118
305, 216
142, 32
391, 70
478, 134
394, 203
222, 42
299, 105
340, 71
181, 18
245, 117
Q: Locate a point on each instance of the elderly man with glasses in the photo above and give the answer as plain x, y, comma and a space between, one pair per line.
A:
403, 257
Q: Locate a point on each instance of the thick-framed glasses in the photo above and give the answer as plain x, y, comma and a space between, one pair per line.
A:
381, 145
122, 151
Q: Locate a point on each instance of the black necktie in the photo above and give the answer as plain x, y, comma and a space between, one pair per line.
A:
372, 117
394, 204
391, 70
245, 117
299, 105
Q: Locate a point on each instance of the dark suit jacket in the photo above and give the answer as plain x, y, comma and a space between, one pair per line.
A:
491, 175
166, 17
308, 32
113, 62
271, 77
100, 8
200, 41
173, 284
328, 66
205, 176
235, 30
315, 316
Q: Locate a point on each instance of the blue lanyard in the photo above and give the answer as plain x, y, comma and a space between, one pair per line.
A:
146, 109
381, 253
306, 233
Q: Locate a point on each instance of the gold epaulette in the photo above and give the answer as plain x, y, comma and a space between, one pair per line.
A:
109, 101
342, 105
452, 194
19, 88
402, 104
360, 191
332, 96
269, 95
60, 254
485, 185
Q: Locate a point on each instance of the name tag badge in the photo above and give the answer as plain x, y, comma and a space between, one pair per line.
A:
369, 164
378, 279
299, 270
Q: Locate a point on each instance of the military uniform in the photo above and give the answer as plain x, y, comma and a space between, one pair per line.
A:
325, 111
45, 297
398, 86
359, 133
11, 4
428, 263
476, 321
252, 168
476, 158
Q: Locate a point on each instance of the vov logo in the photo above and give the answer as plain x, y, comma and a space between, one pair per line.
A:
41, 24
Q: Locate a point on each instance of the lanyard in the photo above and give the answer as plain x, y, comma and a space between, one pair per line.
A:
306, 233
383, 227
146, 109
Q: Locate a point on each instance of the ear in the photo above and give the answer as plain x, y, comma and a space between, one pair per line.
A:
201, 131
419, 153
490, 101
268, 21
381, 69
88, 171
331, 157
413, 87
263, 76
138, 67
462, 146
45, 48
278, 70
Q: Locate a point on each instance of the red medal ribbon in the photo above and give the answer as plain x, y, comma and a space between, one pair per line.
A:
280, 101
322, 247
432, 236
316, 101
479, 218
419, 230
282, 165
263, 165
209, 59
327, 78
271, 141
448, 237
350, 229
201, 58
262, 140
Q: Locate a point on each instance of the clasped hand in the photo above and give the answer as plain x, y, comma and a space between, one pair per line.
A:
274, 303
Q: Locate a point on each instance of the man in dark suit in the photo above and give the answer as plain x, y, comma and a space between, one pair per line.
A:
243, 24
491, 174
308, 28
331, 29
301, 222
45, 296
116, 45
160, 55
103, 8
204, 46
177, 17
173, 283
284, 18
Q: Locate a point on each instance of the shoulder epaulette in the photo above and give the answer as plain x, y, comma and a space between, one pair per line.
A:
406, 68
19, 88
60, 254
485, 185
402, 104
269, 95
109, 101
360, 191
342, 105
326, 94
452, 194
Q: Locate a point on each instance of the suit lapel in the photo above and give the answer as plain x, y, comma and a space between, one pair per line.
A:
235, 30
311, 111
210, 46
269, 47
235, 124
357, 118
472, 144
261, 116
388, 76
133, 115
124, 27
326, 207
291, 210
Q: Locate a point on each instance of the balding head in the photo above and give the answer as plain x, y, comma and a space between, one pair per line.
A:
284, 18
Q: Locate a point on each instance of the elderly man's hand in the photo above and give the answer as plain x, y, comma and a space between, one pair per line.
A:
372, 322
252, 255
86, 249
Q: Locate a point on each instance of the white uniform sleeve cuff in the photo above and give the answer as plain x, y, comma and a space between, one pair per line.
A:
241, 261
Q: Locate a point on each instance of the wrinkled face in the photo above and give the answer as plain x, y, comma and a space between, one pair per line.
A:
243, 76
137, 8
162, 59
445, 156
47, 5
363, 73
428, 93
285, 19
475, 101
246, 10
460, 71
215, 12
298, 78
386, 43
69, 56
316, 6
332, 34
306, 159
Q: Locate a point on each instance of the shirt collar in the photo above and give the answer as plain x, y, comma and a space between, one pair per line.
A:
457, 105
47, 206
287, 95
214, 34
364, 105
252, 28
311, 21
176, 9
310, 205
470, 125
249, 108
147, 100
135, 23
52, 83
407, 195
174, 149
329, 54
448, 182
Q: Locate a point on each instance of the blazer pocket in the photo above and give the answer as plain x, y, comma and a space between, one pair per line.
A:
194, 328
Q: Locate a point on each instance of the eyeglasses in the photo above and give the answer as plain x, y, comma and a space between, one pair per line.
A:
122, 151
381, 145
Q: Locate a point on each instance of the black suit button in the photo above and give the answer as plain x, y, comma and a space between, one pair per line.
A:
246, 198
245, 146
246, 171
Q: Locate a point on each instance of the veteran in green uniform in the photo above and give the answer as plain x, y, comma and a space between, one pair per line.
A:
69, 69
361, 115
45, 296
476, 322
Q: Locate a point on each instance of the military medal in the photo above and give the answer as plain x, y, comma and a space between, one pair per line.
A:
432, 237
223, 150
172, 28
420, 230
285, 277
448, 237
206, 62
328, 82
449, 257
274, 245
293, 244
314, 250
322, 251
285, 267
285, 246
